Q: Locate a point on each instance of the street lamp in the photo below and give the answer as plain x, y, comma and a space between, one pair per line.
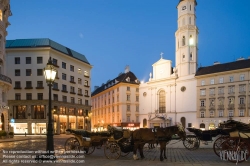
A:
50, 75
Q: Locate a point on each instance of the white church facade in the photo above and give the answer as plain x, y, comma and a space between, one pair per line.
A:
170, 95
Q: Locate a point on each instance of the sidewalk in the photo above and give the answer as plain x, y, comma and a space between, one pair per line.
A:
22, 138
31, 137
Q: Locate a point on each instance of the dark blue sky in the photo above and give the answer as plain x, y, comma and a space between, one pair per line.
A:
116, 33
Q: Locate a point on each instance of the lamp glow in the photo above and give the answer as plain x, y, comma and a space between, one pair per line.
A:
191, 41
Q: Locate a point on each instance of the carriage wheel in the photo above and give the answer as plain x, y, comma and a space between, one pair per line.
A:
112, 150
217, 144
191, 142
71, 144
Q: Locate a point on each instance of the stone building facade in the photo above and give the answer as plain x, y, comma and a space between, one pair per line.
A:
28, 99
5, 81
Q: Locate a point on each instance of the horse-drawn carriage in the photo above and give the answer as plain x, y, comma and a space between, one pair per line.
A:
236, 147
192, 141
232, 137
116, 142
119, 142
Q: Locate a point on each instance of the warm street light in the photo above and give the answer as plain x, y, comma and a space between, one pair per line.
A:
50, 75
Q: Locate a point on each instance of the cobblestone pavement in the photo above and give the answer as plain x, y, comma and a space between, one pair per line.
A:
175, 156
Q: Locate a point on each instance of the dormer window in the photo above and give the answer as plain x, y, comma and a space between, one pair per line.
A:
128, 79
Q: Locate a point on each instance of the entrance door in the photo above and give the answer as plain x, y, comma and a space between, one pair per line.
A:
62, 127
2, 121
183, 122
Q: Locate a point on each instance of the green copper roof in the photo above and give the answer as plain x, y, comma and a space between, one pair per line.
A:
31, 43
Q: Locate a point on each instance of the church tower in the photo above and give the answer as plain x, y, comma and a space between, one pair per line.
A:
186, 38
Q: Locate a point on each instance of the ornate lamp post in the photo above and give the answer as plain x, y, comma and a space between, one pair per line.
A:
50, 75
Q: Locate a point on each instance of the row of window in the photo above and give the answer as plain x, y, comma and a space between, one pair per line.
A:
105, 102
221, 80
55, 87
55, 98
72, 89
72, 80
241, 100
108, 110
113, 91
220, 113
39, 112
231, 89
118, 121
39, 60
28, 72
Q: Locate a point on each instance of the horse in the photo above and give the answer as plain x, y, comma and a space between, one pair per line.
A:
160, 135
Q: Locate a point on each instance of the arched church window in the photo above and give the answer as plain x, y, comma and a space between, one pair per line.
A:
183, 57
189, 20
183, 21
162, 102
191, 56
190, 7
183, 41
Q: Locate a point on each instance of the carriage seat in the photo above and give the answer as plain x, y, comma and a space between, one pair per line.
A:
242, 134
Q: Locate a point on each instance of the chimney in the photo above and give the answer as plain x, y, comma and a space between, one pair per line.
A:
126, 69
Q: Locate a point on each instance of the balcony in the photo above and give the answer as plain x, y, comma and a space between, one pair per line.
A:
65, 91
211, 95
17, 87
211, 107
55, 89
230, 106
79, 94
242, 92
242, 106
72, 92
220, 94
5, 79
220, 107
72, 81
202, 108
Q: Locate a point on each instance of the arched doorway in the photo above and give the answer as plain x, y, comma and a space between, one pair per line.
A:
183, 122
2, 121
202, 126
144, 122
211, 126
